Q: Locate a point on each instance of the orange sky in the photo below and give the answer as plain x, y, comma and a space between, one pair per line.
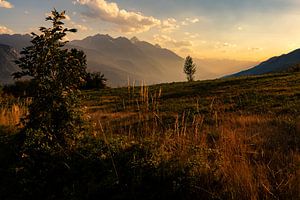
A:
251, 30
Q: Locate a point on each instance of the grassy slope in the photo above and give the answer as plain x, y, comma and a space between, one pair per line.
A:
220, 139
229, 138
277, 95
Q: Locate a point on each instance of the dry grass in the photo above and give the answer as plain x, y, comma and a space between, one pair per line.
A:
10, 115
248, 156
211, 153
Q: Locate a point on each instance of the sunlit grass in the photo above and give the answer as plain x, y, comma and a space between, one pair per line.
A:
238, 143
223, 139
11, 114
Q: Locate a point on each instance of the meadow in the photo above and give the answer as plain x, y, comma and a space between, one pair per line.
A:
235, 138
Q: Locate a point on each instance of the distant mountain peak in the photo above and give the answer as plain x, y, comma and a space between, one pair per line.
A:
122, 38
157, 46
7, 66
134, 39
104, 36
17, 41
116, 57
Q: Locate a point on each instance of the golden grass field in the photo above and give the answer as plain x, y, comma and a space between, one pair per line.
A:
222, 139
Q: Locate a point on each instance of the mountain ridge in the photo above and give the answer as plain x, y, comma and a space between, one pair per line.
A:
273, 65
120, 59
7, 66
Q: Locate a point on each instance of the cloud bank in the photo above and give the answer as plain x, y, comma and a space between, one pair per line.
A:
166, 40
5, 4
128, 21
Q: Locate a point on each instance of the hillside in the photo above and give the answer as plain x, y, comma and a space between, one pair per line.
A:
235, 138
16, 41
231, 138
121, 58
275, 64
274, 94
7, 66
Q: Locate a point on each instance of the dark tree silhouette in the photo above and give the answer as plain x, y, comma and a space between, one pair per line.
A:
95, 80
189, 68
54, 121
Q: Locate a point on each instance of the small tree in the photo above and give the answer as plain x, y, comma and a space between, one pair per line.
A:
95, 80
54, 121
189, 68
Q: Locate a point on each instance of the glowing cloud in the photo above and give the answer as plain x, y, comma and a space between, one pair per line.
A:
5, 4
127, 20
5, 30
166, 40
169, 25
189, 21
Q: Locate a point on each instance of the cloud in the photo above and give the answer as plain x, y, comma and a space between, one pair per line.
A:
80, 27
76, 25
189, 21
128, 21
192, 35
254, 49
5, 30
68, 18
169, 25
224, 45
5, 4
185, 50
166, 40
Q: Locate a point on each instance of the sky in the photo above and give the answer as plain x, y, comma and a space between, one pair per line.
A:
249, 30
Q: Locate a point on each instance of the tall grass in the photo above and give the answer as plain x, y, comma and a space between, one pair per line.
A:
196, 154
217, 155
11, 114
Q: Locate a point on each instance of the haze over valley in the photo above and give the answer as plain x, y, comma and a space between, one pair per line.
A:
130, 40
120, 59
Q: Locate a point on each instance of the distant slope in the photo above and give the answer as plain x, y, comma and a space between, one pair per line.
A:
17, 41
10, 47
123, 58
120, 58
7, 65
215, 68
273, 65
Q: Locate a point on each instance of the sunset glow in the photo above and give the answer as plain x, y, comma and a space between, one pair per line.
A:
251, 30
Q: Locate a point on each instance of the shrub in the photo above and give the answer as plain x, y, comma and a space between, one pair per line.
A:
20, 88
54, 120
95, 80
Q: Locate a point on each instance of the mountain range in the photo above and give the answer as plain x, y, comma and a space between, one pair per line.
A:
7, 66
120, 59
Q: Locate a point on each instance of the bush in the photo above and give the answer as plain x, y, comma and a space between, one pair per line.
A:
95, 80
20, 89
54, 120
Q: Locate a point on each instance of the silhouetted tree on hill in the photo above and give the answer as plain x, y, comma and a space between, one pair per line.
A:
189, 68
